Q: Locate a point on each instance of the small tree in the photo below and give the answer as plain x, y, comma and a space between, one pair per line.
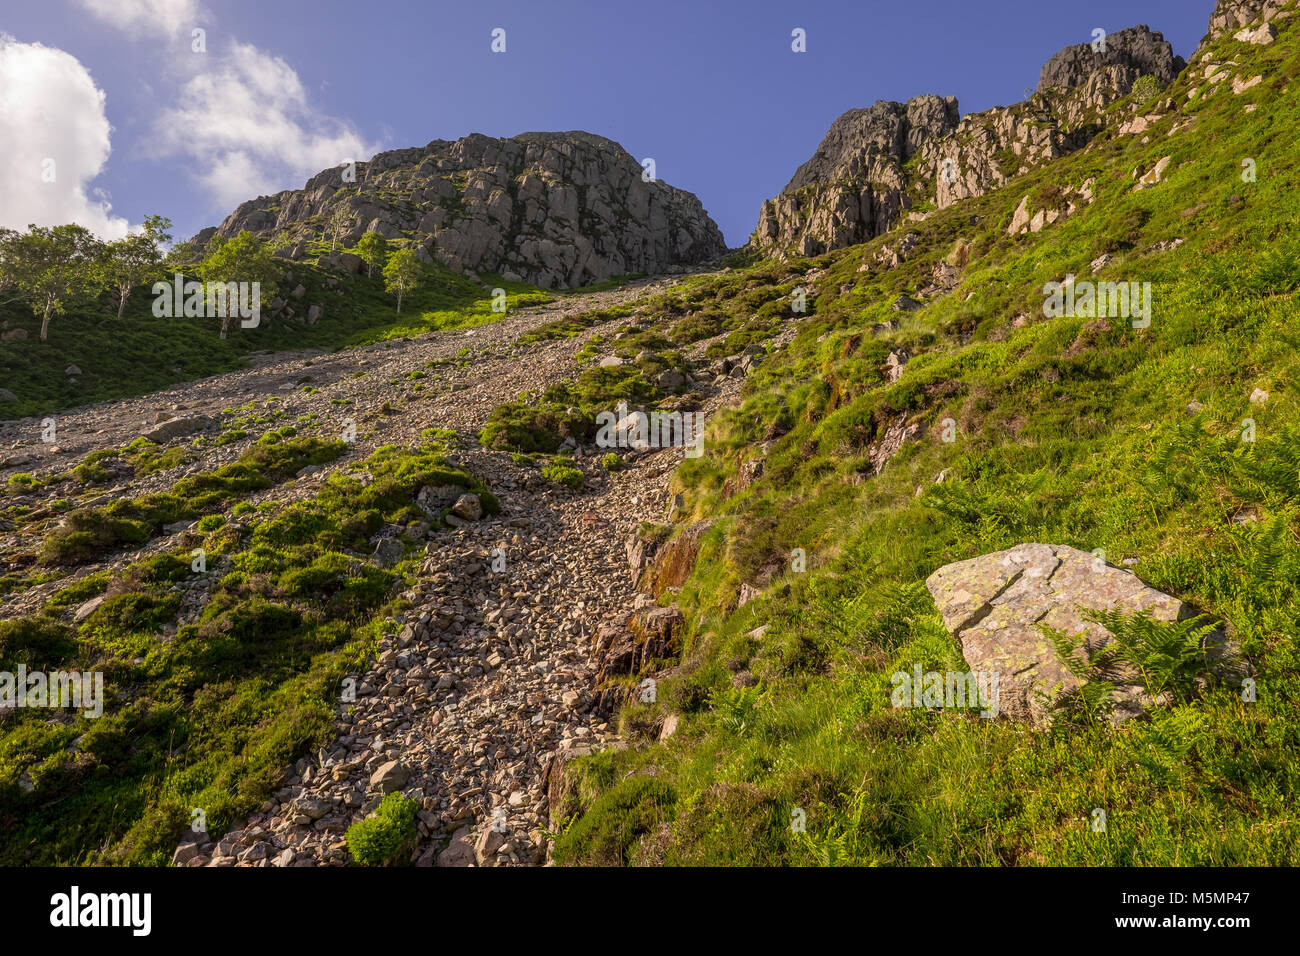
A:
54, 265
1146, 88
245, 258
135, 259
402, 274
338, 223
373, 250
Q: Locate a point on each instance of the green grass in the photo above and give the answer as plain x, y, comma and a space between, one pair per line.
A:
209, 717
119, 358
1065, 434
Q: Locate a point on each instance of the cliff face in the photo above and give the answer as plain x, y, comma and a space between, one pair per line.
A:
878, 165
559, 210
853, 188
1127, 55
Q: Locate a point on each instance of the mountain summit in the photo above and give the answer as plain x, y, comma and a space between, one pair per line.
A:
558, 210
876, 165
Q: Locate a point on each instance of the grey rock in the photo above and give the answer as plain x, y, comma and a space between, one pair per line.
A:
996, 604
433, 499
388, 552
468, 507
559, 210
1137, 51
1230, 16
489, 841
853, 188
87, 609
177, 428
670, 379
459, 852
389, 777
184, 853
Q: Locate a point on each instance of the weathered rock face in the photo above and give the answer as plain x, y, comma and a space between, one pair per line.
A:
857, 186
559, 210
994, 606
852, 189
1137, 51
1229, 16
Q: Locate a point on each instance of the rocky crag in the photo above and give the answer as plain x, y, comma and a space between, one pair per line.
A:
878, 165
559, 210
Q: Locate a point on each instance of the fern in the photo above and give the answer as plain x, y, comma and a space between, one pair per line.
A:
1168, 655
735, 708
1166, 745
839, 844
1093, 700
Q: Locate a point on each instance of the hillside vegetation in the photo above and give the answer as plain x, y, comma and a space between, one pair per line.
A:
1076, 431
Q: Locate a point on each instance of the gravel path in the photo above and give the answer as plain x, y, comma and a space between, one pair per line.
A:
494, 670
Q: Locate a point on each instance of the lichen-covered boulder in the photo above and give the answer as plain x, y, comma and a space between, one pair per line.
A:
996, 604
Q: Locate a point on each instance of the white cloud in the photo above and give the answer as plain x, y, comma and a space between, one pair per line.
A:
247, 126
243, 119
163, 16
51, 110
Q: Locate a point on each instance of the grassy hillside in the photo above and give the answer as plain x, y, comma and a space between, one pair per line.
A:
140, 353
1068, 430
211, 713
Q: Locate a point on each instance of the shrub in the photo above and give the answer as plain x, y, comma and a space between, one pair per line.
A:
1146, 88
612, 462
564, 475
381, 837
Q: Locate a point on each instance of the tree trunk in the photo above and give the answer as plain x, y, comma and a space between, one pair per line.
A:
399, 304
225, 325
121, 304
45, 322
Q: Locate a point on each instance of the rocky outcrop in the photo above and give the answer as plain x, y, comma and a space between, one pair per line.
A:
1131, 53
997, 604
559, 210
853, 187
1230, 16
876, 166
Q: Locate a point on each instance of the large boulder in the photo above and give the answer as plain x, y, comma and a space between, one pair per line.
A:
177, 428
997, 604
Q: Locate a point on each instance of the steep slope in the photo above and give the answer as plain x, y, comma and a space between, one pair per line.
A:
558, 210
893, 437
875, 166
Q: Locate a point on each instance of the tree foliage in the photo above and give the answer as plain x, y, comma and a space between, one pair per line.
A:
402, 274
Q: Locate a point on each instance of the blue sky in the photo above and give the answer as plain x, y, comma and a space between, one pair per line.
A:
710, 90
